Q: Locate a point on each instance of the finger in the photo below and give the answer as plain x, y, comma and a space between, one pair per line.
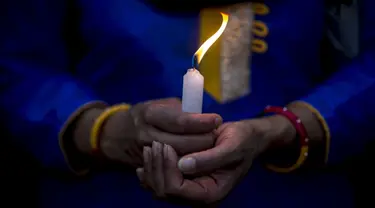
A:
174, 121
147, 160
157, 168
176, 185
183, 144
140, 174
208, 160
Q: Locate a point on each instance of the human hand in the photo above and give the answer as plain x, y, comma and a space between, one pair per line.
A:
126, 132
220, 168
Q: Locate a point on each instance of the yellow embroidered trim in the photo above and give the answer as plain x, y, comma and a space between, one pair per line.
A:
259, 46
210, 21
260, 29
260, 9
98, 124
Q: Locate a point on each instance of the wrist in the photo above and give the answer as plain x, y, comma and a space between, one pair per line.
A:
275, 131
72, 138
315, 133
312, 124
119, 129
278, 130
116, 128
82, 130
287, 148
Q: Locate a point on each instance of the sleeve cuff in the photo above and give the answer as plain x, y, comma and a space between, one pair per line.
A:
77, 163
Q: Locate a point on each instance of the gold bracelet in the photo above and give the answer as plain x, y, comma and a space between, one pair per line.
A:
300, 161
98, 124
300, 131
324, 125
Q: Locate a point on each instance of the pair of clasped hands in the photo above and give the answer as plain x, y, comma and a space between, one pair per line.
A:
191, 157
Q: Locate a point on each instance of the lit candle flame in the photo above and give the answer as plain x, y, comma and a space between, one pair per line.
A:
198, 56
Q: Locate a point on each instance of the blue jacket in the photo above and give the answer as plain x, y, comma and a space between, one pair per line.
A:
123, 51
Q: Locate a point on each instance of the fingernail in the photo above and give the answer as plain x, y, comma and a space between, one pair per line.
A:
154, 149
217, 121
145, 154
139, 172
155, 145
187, 164
158, 145
165, 151
169, 151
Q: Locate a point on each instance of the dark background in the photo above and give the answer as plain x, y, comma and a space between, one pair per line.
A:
19, 173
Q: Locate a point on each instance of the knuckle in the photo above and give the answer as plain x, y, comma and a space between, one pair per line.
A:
148, 111
182, 120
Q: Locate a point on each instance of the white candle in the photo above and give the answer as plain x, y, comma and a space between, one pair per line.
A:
192, 92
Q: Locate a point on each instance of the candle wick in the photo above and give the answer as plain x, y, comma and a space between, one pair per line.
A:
194, 62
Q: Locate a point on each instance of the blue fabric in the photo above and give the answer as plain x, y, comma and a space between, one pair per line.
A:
130, 53
345, 100
348, 110
37, 95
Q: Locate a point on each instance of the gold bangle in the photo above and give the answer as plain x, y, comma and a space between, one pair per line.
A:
98, 124
323, 123
300, 131
300, 161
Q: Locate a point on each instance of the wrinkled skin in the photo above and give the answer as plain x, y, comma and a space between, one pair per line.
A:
125, 133
211, 174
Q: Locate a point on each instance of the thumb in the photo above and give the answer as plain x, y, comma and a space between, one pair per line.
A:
208, 160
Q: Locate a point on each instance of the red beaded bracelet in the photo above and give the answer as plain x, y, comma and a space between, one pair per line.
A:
301, 132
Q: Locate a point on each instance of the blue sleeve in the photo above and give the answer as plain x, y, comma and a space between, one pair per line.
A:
37, 94
347, 100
